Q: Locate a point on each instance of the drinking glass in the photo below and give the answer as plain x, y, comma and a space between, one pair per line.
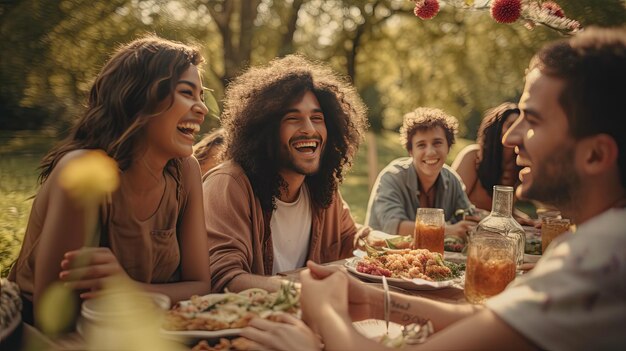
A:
551, 228
491, 264
547, 213
429, 229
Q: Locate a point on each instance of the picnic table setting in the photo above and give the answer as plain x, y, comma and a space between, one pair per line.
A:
214, 321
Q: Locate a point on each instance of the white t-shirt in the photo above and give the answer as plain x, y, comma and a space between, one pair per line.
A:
291, 230
575, 298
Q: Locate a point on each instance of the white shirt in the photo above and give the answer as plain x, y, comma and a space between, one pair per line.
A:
291, 231
575, 298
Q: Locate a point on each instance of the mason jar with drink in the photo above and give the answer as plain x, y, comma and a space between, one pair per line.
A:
429, 229
551, 227
491, 266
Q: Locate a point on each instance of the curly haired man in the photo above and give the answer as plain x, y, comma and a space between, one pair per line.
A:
420, 180
292, 127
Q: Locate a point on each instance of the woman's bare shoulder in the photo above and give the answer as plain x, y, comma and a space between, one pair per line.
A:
67, 158
468, 153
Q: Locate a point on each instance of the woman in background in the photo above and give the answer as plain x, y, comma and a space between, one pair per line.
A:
488, 162
208, 149
143, 111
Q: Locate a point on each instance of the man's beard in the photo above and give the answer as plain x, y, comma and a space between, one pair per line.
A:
555, 181
288, 161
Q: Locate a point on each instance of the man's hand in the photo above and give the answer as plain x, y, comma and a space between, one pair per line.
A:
284, 333
360, 296
460, 228
361, 236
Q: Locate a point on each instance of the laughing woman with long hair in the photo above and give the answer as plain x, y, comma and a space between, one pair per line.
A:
143, 111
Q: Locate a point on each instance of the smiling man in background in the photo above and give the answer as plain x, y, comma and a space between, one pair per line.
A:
420, 180
291, 129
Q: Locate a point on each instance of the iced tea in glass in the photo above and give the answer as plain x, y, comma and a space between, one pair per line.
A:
551, 228
429, 229
491, 264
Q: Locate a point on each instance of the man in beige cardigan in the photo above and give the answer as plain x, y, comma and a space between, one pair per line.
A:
291, 128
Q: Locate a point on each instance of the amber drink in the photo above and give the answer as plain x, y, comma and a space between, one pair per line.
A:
551, 228
491, 264
429, 229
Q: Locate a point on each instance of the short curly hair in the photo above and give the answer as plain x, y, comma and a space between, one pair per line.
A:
425, 118
254, 105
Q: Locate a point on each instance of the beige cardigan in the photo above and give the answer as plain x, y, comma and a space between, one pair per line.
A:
239, 234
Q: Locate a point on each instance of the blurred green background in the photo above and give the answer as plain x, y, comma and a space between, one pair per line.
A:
461, 61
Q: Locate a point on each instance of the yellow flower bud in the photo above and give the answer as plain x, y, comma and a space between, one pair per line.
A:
88, 177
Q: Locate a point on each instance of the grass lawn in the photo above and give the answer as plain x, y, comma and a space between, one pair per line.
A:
21, 152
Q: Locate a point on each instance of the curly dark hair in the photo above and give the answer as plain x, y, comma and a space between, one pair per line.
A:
489, 140
593, 66
254, 105
124, 97
425, 118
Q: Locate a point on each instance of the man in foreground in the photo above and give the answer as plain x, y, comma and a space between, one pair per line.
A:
571, 144
291, 127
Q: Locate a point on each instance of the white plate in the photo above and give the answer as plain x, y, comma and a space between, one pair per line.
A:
375, 328
455, 257
408, 284
528, 258
200, 334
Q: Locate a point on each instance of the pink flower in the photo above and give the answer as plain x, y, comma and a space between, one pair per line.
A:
506, 11
553, 9
426, 9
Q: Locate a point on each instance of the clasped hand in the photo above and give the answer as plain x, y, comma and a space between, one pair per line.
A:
87, 269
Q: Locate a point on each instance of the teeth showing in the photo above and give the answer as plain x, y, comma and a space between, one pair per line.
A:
307, 147
189, 127
301, 144
431, 162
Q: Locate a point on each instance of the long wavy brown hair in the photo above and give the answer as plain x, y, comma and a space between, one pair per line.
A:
124, 97
489, 139
254, 106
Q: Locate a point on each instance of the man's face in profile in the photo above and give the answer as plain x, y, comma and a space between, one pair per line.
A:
543, 144
302, 136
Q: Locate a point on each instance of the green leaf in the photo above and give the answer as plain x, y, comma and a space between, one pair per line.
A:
211, 104
390, 244
399, 242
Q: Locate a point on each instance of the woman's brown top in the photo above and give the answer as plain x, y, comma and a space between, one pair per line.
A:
148, 250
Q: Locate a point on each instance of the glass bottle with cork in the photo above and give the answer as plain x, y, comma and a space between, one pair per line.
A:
500, 221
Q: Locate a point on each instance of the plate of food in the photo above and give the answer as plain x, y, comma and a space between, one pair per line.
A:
455, 247
532, 250
408, 269
222, 315
378, 241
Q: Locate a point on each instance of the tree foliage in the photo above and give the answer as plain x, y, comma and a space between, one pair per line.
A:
461, 61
